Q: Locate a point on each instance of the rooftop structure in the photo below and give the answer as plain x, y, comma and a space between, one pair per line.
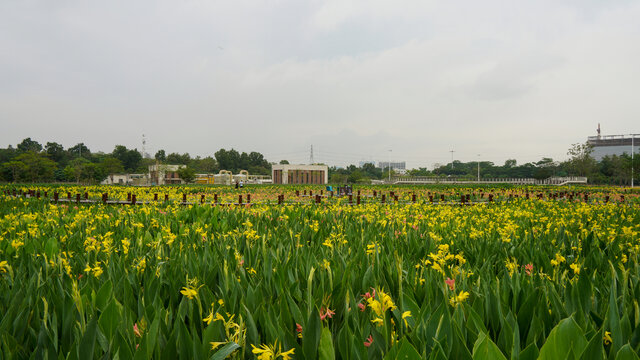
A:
608, 145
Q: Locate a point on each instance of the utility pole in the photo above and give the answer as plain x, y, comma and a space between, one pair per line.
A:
452, 151
632, 148
311, 156
389, 165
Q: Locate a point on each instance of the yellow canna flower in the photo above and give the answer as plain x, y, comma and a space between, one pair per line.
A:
287, 354
215, 344
405, 316
189, 292
209, 318
607, 338
4, 266
576, 268
457, 299
264, 352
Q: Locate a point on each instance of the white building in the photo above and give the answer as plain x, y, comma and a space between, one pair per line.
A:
126, 179
395, 165
299, 174
164, 174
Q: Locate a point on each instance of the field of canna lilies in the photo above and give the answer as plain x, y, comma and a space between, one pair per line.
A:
301, 273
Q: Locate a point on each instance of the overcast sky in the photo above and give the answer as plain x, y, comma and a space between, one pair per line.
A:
355, 79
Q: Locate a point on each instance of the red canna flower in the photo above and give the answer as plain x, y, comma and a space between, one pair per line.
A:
324, 314
369, 341
528, 269
451, 283
136, 331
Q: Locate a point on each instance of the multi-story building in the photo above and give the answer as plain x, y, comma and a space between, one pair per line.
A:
160, 174
395, 165
299, 174
608, 145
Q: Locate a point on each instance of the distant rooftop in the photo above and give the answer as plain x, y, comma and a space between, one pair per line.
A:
612, 140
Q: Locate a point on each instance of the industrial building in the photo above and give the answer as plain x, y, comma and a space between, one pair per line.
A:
608, 145
299, 174
164, 174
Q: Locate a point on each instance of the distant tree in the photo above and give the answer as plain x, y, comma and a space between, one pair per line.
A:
371, 171
55, 151
206, 165
110, 166
16, 168
284, 162
29, 145
355, 176
419, 172
37, 167
228, 160
545, 168
7, 154
79, 150
338, 178
177, 159
161, 155
92, 172
187, 174
73, 171
510, 163
130, 158
581, 162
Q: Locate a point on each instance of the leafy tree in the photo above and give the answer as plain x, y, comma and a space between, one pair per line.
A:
37, 166
161, 155
29, 145
130, 159
284, 162
207, 165
110, 166
177, 159
55, 151
371, 171
73, 171
581, 162
228, 160
419, 172
16, 168
187, 174
79, 150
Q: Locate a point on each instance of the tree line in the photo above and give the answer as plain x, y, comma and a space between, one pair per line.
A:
31, 161
612, 170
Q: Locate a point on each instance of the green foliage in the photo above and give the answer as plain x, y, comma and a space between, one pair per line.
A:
187, 174
520, 279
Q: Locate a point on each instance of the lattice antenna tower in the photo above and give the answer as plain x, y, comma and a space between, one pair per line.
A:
311, 156
144, 145
452, 151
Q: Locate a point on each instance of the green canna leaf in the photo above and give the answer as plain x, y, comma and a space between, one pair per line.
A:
485, 349
565, 338
325, 350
